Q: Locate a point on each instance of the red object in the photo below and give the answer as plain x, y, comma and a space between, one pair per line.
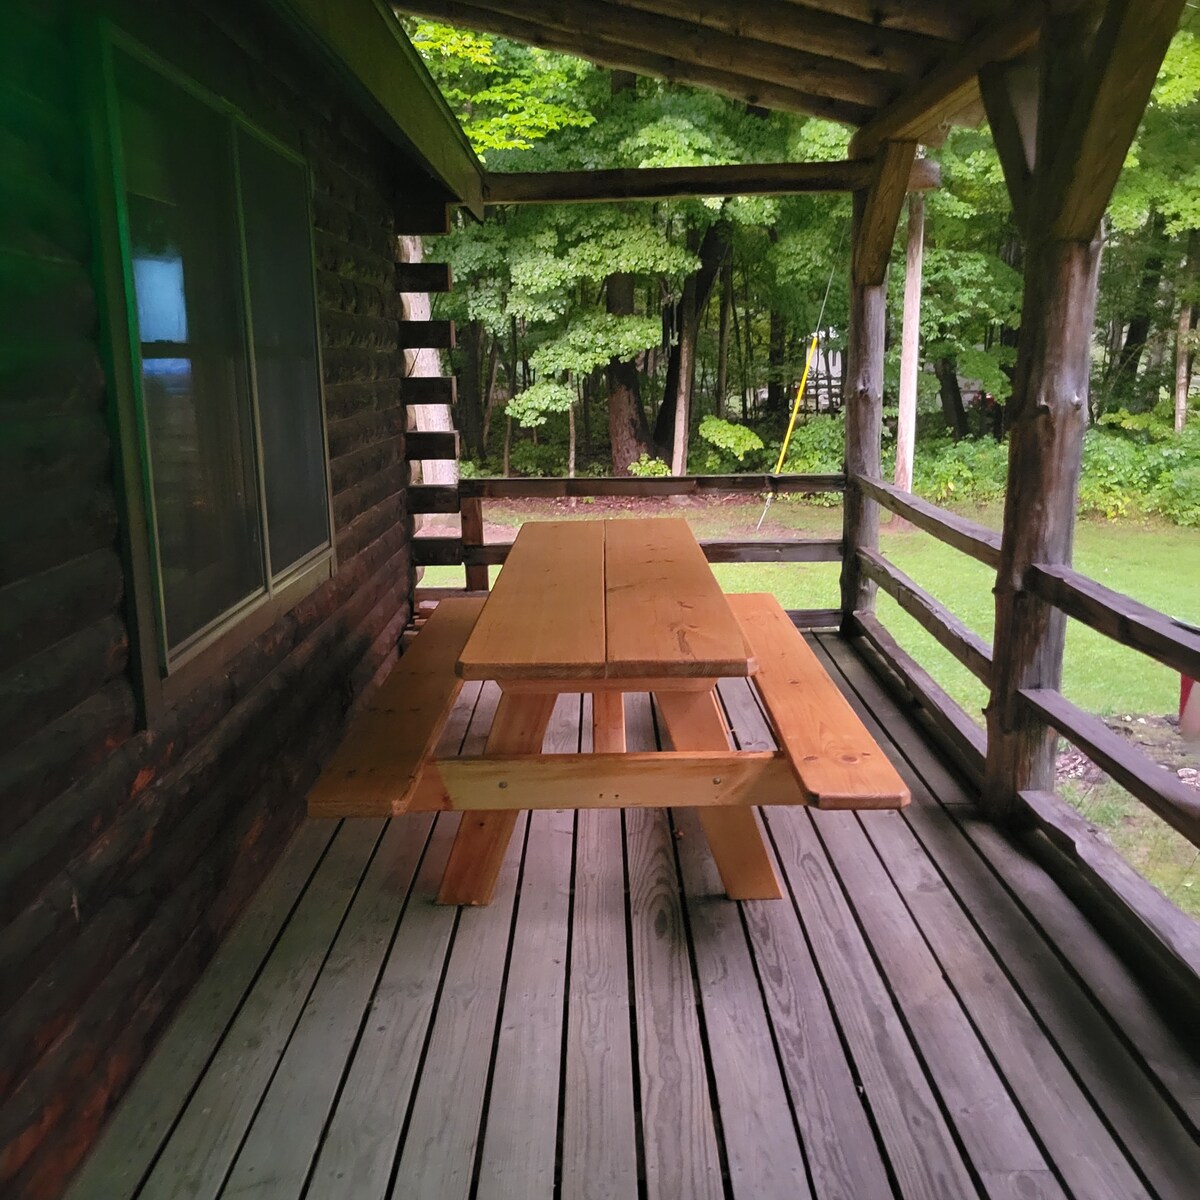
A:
1185, 690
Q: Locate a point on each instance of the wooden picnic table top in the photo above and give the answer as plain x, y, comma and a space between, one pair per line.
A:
591, 600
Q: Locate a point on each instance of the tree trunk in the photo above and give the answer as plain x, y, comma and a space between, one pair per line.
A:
685, 377
721, 393
628, 432
470, 390
776, 390
489, 393
571, 442
713, 249
1183, 330
951, 394
910, 349
1144, 310
506, 467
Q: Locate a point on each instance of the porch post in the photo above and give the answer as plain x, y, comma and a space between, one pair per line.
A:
876, 213
1094, 80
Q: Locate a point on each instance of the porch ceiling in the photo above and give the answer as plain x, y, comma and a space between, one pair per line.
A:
900, 70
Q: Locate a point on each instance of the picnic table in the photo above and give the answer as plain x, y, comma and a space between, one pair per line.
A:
607, 608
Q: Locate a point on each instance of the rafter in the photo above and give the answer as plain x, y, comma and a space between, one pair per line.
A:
867, 45
741, 85
952, 87
660, 183
581, 22
936, 18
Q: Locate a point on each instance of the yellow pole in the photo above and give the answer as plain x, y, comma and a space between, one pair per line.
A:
787, 437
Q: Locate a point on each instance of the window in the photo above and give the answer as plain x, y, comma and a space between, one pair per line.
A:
218, 256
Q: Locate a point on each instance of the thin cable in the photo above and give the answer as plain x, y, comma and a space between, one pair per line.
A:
812, 347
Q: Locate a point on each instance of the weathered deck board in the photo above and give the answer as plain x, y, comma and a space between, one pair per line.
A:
924, 1014
1142, 1117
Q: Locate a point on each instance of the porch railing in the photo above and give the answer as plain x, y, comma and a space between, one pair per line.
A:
1119, 617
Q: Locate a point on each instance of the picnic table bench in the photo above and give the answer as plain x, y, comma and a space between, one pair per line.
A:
607, 607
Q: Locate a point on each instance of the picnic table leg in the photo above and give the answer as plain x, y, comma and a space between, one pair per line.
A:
608, 722
694, 721
482, 839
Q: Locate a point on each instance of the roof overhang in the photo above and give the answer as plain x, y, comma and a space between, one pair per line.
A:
366, 43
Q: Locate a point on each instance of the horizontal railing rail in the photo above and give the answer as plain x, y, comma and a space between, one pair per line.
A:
450, 551
1119, 617
976, 540
666, 485
965, 644
1163, 792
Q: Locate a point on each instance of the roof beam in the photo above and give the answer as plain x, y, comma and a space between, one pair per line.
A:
741, 83
666, 183
813, 30
582, 20
1109, 100
1011, 95
951, 87
879, 210
936, 18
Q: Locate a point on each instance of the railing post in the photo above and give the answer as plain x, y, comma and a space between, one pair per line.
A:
876, 213
1094, 77
471, 508
1045, 453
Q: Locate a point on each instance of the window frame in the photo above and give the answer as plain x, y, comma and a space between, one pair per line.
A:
166, 675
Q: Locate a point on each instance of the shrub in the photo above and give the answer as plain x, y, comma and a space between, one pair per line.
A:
972, 471
729, 444
648, 468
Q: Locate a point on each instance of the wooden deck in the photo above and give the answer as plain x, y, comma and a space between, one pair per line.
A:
926, 1015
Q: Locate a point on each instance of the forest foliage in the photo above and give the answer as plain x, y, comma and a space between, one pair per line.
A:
576, 322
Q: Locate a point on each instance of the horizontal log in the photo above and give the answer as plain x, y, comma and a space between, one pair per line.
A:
959, 735
429, 389
437, 551
426, 335
1161, 790
39, 611
431, 444
971, 538
652, 779
432, 498
965, 644
692, 45
673, 485
722, 550
662, 61
666, 183
1154, 917
423, 277
1119, 617
874, 44
428, 218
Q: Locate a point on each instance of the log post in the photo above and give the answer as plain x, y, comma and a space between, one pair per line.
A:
876, 212
1095, 79
472, 535
910, 344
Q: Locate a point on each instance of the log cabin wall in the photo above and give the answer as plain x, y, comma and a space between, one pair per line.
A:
128, 846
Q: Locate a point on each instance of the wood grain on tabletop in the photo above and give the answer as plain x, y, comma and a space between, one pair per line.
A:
666, 613
545, 615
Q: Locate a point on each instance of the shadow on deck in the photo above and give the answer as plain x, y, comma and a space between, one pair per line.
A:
927, 1015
